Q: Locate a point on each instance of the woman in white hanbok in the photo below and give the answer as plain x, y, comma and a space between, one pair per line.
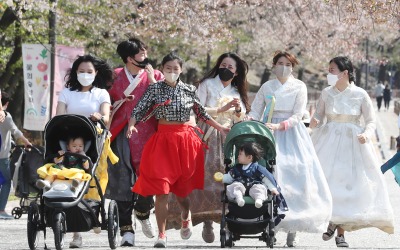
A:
223, 93
347, 155
298, 170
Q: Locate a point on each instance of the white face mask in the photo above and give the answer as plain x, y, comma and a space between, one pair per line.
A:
171, 77
332, 79
283, 71
86, 79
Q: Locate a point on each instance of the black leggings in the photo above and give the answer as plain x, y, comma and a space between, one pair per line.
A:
142, 206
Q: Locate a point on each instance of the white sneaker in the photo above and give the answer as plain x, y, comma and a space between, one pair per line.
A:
161, 242
240, 202
128, 240
6, 216
147, 228
76, 241
258, 203
186, 229
291, 239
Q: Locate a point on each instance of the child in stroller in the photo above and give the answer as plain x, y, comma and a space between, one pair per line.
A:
66, 166
248, 177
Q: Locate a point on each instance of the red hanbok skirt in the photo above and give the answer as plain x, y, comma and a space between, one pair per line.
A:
172, 161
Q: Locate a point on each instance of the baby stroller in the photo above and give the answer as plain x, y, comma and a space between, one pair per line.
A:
60, 208
23, 165
249, 221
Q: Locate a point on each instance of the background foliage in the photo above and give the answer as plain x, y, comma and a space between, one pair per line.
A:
200, 30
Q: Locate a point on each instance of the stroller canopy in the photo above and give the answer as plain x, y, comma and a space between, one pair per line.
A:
59, 127
249, 131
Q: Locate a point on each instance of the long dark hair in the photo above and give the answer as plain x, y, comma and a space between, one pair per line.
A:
239, 81
104, 77
344, 63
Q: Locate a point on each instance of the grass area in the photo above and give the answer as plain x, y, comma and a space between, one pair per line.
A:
12, 197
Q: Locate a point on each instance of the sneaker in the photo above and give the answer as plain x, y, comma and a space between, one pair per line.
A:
76, 241
96, 230
161, 242
6, 216
240, 202
75, 184
186, 229
208, 232
258, 203
291, 239
330, 231
43, 184
147, 228
340, 242
128, 240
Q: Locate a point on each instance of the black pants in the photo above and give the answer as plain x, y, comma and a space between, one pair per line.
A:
379, 101
387, 102
142, 206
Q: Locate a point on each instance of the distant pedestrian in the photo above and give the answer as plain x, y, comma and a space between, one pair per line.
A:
379, 94
348, 157
387, 96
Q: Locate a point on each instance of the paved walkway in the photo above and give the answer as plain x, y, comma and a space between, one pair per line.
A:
13, 234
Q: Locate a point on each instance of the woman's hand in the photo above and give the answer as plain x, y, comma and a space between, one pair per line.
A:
274, 192
130, 130
313, 123
150, 73
96, 117
224, 129
2, 115
234, 103
274, 126
362, 138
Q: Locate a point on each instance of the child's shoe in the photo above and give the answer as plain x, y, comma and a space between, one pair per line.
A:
258, 203
330, 231
43, 184
340, 242
240, 202
75, 184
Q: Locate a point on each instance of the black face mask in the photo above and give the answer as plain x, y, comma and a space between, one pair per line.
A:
141, 64
225, 74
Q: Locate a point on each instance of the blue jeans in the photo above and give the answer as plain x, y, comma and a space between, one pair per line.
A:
5, 188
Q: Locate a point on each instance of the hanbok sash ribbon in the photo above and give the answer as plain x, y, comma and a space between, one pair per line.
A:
155, 108
269, 110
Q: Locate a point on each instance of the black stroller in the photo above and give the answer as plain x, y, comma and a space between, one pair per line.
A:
249, 221
62, 210
23, 165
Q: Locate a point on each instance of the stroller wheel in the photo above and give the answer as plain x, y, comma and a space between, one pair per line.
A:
16, 212
59, 229
229, 239
113, 224
33, 226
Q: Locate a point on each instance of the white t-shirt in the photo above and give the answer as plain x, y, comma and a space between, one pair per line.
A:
84, 103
